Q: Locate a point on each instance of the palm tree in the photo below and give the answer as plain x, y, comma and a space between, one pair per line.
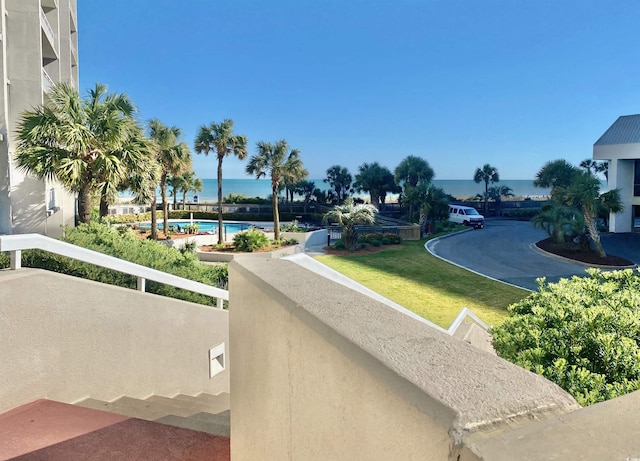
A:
377, 180
584, 194
596, 167
348, 216
434, 205
560, 222
305, 188
293, 176
277, 162
135, 156
487, 174
143, 184
173, 156
78, 142
497, 192
188, 184
219, 138
409, 173
339, 178
175, 182
556, 173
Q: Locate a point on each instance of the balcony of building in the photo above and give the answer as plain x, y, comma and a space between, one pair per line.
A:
47, 82
316, 371
48, 37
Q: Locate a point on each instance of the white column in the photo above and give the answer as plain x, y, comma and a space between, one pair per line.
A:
621, 177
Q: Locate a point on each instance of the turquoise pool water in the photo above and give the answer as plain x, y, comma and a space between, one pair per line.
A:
203, 226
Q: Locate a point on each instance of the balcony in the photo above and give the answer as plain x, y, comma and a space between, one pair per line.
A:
49, 48
49, 4
47, 82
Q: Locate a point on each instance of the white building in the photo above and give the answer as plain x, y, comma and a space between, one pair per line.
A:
38, 47
620, 146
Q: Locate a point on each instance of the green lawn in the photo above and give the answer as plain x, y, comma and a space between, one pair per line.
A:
430, 287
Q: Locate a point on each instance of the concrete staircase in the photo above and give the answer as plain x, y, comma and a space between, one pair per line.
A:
204, 412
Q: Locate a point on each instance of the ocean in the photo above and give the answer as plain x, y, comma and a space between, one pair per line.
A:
459, 188
456, 187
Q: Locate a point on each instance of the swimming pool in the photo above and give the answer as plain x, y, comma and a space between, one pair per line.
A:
203, 226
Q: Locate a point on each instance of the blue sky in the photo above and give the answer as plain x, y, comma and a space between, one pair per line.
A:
458, 82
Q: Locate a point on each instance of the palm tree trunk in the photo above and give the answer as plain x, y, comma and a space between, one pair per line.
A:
422, 222
220, 225
154, 218
374, 200
276, 213
84, 203
104, 205
592, 228
184, 199
349, 236
486, 198
165, 204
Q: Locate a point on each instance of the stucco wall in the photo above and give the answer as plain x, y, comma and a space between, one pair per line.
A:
322, 372
621, 177
66, 338
602, 432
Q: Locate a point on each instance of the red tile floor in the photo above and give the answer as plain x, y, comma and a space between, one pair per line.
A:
54, 431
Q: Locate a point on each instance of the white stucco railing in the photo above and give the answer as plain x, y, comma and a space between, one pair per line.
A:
14, 244
44, 21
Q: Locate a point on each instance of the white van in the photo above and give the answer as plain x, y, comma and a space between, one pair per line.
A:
466, 215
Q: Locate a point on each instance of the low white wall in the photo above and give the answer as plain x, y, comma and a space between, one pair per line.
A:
323, 372
220, 256
67, 338
316, 237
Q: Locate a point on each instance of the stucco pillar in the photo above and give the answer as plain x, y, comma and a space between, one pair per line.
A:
621, 177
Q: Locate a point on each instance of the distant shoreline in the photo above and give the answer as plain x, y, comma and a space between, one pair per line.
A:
261, 188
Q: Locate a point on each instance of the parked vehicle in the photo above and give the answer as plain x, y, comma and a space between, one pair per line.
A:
466, 215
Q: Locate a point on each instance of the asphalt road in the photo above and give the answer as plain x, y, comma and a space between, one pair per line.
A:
504, 250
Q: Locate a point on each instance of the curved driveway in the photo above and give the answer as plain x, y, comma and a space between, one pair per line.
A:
503, 250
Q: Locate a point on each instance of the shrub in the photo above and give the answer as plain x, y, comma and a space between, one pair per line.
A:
339, 245
380, 239
391, 239
291, 227
191, 228
250, 240
122, 243
581, 333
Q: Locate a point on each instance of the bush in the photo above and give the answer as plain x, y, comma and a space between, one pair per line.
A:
291, 227
380, 239
339, 245
122, 243
582, 333
391, 239
250, 240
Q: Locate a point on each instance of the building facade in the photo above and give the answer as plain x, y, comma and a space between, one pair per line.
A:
620, 146
38, 47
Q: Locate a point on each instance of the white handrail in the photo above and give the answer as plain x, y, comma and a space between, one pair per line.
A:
16, 243
462, 316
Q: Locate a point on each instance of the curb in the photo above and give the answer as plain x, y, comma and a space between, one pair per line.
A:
435, 240
580, 263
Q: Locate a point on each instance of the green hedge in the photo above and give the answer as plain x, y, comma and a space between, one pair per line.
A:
122, 243
213, 216
582, 333
377, 239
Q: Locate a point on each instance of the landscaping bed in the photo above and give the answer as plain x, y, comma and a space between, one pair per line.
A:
574, 252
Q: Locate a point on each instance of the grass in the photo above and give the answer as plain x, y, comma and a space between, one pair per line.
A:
410, 276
